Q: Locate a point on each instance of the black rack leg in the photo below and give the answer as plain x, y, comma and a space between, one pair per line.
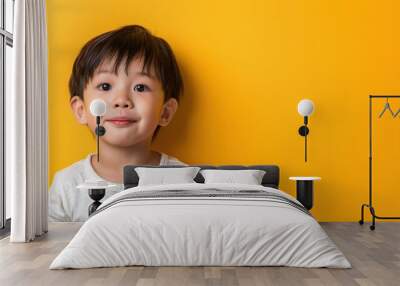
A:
374, 216
361, 221
372, 210
372, 227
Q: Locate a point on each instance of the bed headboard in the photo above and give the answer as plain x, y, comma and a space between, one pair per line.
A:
270, 179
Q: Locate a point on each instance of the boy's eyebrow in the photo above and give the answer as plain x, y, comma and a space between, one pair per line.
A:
138, 73
103, 71
145, 74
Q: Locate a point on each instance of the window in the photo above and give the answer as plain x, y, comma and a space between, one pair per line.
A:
6, 62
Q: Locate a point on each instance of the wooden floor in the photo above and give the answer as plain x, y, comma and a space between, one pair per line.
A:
374, 255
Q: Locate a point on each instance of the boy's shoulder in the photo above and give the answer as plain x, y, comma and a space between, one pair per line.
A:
74, 174
80, 171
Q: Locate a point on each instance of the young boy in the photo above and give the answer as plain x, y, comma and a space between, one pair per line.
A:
136, 74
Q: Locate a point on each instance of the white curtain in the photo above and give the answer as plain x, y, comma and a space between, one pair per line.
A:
26, 123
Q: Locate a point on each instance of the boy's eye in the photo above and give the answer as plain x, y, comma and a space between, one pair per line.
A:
104, 86
140, 87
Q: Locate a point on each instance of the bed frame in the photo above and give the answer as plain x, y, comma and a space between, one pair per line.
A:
270, 179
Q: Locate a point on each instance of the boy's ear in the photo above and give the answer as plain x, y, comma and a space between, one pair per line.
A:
78, 108
168, 111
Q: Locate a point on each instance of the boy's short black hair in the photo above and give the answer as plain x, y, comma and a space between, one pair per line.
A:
127, 42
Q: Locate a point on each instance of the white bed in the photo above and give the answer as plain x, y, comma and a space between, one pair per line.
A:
185, 230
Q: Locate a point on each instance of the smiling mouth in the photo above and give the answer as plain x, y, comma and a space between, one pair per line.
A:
121, 122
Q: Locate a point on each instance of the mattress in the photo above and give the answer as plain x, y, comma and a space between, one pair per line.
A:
198, 224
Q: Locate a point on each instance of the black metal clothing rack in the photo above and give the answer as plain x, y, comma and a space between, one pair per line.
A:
370, 206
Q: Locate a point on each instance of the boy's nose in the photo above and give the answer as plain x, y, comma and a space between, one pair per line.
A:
122, 102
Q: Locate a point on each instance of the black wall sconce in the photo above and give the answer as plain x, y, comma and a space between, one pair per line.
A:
305, 109
98, 108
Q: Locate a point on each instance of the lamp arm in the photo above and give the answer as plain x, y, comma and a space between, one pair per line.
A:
98, 137
100, 131
305, 148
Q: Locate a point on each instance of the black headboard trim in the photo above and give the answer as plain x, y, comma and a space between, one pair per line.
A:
270, 179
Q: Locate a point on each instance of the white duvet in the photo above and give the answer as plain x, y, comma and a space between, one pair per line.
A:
200, 231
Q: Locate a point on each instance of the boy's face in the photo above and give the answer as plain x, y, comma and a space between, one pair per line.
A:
135, 103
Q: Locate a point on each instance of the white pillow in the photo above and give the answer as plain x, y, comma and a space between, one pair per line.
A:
249, 177
161, 176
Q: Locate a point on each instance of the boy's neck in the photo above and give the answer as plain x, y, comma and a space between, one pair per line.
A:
112, 160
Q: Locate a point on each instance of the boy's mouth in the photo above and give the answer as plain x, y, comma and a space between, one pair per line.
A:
121, 121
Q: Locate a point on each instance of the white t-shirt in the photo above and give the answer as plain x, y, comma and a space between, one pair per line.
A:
67, 203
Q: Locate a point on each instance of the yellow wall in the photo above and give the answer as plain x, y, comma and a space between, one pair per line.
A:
246, 64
